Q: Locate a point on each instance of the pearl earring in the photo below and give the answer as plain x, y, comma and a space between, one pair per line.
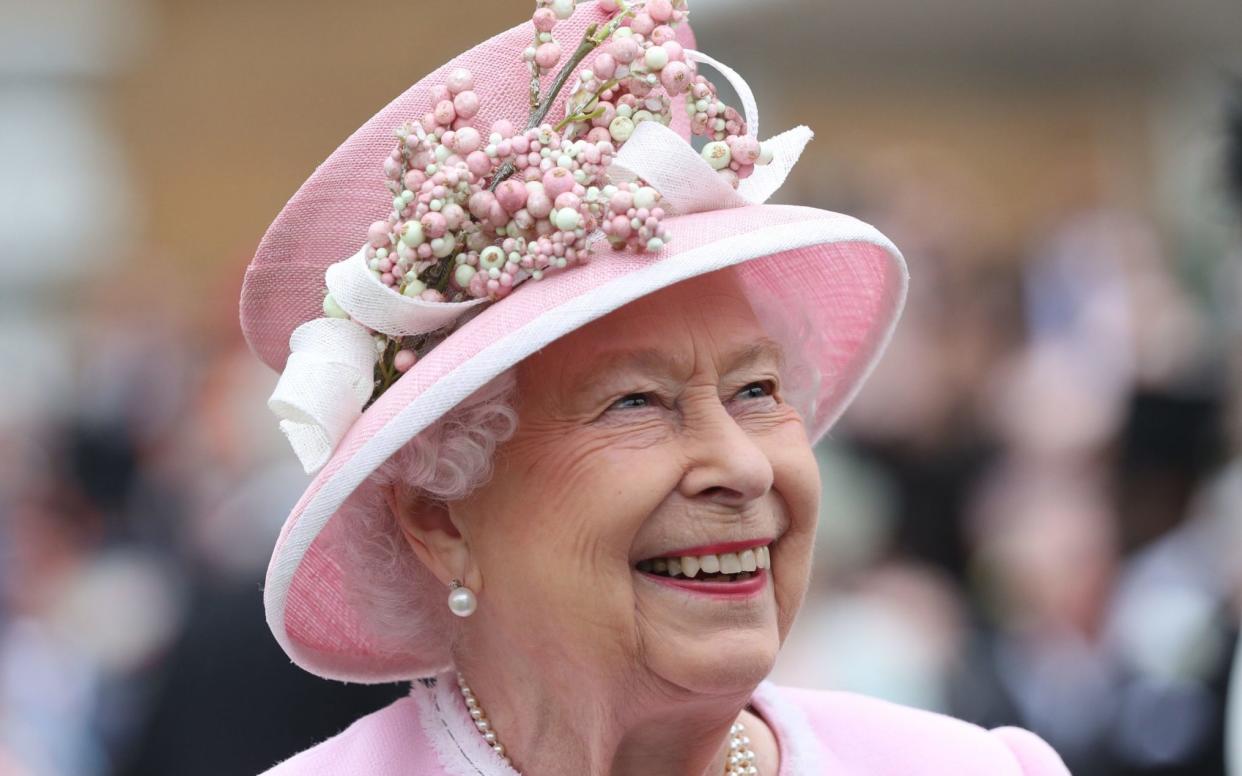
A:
461, 600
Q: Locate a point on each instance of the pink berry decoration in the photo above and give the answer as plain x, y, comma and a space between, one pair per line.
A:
477, 211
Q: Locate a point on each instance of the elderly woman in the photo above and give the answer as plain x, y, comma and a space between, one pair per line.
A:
560, 407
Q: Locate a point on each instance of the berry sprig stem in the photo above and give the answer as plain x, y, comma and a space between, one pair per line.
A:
591, 40
385, 370
590, 109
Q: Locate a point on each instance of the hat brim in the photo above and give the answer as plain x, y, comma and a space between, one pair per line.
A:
840, 276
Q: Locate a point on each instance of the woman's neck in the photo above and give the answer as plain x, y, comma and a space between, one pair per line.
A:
574, 721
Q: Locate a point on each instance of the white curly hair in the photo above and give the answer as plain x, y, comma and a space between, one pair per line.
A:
444, 463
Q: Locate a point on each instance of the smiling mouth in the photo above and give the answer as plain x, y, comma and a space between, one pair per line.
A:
722, 567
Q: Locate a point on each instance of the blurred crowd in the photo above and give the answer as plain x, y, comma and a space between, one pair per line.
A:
1031, 515
136, 525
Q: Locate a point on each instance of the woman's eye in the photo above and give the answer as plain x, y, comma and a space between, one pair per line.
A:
632, 401
756, 391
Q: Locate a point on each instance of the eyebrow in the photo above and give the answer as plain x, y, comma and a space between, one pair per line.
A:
763, 349
606, 363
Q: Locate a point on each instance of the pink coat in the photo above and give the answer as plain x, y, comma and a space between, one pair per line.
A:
429, 733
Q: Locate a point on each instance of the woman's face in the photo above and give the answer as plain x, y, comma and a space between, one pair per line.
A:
657, 432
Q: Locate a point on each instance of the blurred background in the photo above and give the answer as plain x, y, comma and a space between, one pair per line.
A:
1031, 517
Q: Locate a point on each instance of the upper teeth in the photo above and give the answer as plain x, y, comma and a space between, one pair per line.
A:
724, 563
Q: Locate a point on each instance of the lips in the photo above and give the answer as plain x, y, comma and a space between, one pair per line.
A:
732, 567
735, 586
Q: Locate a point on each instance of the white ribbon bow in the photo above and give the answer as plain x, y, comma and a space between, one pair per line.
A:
327, 380
686, 182
329, 376
330, 373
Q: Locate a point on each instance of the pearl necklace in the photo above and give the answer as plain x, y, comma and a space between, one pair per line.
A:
480, 719
740, 762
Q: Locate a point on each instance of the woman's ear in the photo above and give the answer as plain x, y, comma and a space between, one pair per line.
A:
428, 528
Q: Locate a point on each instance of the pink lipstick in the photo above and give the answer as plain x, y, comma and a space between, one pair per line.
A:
744, 588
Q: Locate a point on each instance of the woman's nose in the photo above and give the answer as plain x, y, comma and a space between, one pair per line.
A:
726, 465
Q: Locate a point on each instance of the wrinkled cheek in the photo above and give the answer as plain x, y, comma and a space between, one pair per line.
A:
581, 603
790, 578
798, 478
799, 487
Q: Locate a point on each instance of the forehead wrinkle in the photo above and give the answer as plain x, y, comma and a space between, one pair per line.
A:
605, 364
728, 355
759, 351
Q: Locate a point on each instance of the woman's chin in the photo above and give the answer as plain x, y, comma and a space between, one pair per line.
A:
708, 642
721, 665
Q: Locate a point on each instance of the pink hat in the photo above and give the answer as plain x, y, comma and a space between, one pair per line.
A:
841, 278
